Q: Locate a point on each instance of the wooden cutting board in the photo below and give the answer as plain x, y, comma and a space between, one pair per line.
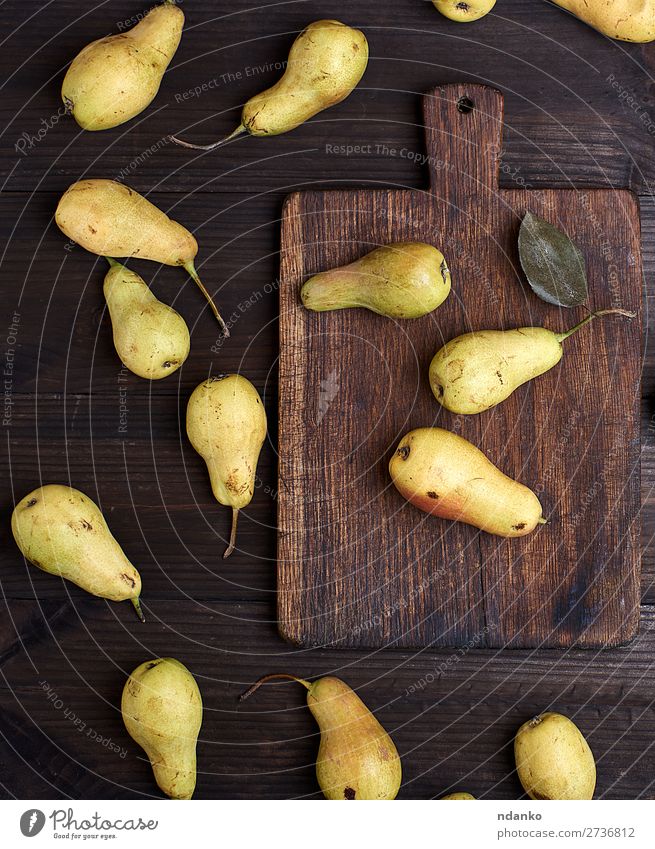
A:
357, 566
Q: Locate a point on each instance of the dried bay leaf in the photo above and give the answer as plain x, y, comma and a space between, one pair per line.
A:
553, 264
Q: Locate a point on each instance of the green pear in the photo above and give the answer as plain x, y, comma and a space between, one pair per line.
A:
110, 219
226, 424
443, 474
326, 62
356, 757
113, 79
400, 280
63, 532
464, 11
476, 371
151, 338
162, 711
553, 759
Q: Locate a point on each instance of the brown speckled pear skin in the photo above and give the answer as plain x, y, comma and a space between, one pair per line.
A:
476, 371
626, 20
325, 63
356, 758
553, 759
110, 219
226, 424
63, 532
399, 280
443, 474
115, 78
151, 338
463, 12
162, 711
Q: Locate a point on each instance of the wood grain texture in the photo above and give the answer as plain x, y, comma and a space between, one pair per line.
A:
355, 565
452, 715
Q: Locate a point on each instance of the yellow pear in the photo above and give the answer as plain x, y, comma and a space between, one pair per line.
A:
162, 711
226, 424
112, 220
464, 10
326, 62
442, 473
356, 757
63, 532
400, 280
627, 20
476, 371
113, 79
458, 797
151, 338
553, 759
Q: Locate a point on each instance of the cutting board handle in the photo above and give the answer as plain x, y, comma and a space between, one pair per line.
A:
463, 129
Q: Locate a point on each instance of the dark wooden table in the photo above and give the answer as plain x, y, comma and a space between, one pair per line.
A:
580, 111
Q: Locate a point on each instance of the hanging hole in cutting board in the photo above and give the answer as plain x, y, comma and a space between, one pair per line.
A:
465, 105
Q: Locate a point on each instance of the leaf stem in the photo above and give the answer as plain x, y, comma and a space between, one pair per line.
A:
239, 130
191, 270
275, 676
562, 336
136, 603
233, 533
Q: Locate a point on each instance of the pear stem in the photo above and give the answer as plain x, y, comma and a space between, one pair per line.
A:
136, 603
542, 521
239, 130
191, 270
275, 676
233, 533
562, 336
113, 262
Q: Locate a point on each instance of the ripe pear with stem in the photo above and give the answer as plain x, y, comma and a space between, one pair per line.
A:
110, 219
326, 62
443, 474
162, 711
151, 338
62, 531
226, 424
399, 280
115, 78
478, 370
356, 757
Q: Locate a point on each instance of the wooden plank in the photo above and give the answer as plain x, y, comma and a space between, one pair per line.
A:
452, 715
557, 133
346, 548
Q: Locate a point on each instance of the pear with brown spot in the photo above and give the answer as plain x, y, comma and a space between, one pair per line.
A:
553, 759
474, 372
116, 77
326, 62
162, 711
464, 11
399, 280
357, 759
443, 474
110, 219
226, 424
63, 532
151, 338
